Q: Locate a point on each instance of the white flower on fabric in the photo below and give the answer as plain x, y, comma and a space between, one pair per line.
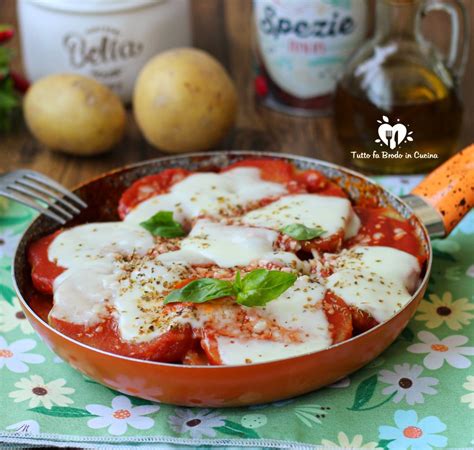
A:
14, 356
25, 426
441, 350
8, 243
407, 383
344, 442
120, 415
12, 316
37, 391
469, 385
199, 424
454, 313
414, 434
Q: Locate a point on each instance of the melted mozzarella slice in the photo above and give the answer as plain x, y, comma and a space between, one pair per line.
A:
166, 202
227, 246
238, 351
95, 242
387, 262
209, 194
299, 309
82, 294
139, 299
353, 225
380, 297
375, 279
332, 214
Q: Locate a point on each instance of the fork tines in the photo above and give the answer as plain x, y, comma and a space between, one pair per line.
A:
34, 189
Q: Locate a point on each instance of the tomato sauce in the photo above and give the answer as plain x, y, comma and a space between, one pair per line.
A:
171, 346
149, 186
339, 317
43, 271
296, 181
384, 227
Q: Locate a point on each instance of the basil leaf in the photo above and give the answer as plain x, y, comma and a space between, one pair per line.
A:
200, 291
238, 282
162, 224
261, 286
256, 289
301, 232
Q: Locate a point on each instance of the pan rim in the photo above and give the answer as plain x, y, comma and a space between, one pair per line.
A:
422, 283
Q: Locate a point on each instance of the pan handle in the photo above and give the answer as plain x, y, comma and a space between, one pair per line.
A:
446, 195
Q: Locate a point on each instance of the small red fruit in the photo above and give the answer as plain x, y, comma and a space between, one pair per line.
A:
21, 84
6, 33
261, 86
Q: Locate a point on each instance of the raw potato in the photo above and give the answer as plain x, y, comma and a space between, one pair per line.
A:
184, 101
74, 114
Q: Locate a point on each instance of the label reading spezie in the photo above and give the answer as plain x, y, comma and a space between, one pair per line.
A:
304, 43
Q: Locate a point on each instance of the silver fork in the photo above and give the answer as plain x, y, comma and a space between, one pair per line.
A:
32, 189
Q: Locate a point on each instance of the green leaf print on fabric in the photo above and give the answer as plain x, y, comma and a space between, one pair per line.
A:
235, 429
7, 221
7, 293
59, 411
364, 394
383, 443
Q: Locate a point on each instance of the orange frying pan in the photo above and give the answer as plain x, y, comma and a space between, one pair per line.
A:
434, 208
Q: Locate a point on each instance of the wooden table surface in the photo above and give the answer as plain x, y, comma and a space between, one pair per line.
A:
221, 27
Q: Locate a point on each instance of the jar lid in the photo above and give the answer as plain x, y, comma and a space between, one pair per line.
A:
93, 6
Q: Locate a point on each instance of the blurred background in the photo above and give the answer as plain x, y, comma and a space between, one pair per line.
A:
224, 29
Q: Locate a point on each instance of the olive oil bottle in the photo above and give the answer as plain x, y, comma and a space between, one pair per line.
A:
397, 108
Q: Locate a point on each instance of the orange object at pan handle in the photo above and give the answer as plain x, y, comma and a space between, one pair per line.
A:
450, 189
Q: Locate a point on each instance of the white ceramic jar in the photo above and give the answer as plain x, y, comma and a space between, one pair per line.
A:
109, 40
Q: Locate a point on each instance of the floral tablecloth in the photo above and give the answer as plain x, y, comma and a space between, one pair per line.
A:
419, 394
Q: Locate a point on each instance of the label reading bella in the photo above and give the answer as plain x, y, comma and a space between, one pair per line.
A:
100, 46
304, 43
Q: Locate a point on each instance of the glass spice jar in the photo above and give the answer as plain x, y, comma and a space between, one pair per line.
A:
301, 47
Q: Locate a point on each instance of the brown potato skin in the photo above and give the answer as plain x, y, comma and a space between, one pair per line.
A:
184, 100
74, 114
